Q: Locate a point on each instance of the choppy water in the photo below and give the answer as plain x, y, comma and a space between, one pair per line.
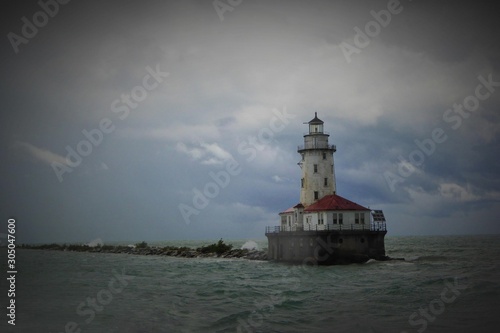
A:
447, 284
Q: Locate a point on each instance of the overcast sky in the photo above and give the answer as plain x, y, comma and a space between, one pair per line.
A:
172, 94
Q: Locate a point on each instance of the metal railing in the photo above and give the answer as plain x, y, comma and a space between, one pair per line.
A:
375, 226
317, 146
313, 133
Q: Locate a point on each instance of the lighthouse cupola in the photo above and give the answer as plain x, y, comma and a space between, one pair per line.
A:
316, 125
318, 172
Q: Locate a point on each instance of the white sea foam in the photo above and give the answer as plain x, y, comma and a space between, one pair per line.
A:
96, 242
250, 245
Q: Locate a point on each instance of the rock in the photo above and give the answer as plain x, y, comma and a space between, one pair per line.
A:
185, 252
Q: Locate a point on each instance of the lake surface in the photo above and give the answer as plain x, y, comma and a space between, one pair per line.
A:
446, 284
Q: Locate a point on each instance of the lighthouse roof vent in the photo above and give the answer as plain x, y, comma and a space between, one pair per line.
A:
316, 120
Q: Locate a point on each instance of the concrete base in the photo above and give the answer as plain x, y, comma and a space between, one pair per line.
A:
326, 247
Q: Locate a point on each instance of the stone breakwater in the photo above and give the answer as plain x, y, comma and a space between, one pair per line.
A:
182, 252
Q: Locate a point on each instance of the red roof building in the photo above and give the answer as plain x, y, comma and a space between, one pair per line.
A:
333, 202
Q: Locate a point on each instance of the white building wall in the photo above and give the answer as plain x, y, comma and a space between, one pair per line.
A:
348, 220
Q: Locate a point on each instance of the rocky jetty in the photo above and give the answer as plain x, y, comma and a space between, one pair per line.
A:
218, 250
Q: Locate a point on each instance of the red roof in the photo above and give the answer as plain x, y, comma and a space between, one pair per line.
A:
289, 210
334, 202
292, 209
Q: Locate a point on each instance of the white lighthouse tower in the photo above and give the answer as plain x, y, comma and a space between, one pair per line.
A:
318, 170
324, 217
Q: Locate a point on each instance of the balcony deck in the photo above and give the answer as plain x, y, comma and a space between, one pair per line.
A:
373, 227
317, 146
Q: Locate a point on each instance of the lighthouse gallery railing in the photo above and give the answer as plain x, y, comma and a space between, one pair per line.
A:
317, 145
374, 226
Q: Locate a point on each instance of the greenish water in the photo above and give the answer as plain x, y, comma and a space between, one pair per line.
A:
447, 284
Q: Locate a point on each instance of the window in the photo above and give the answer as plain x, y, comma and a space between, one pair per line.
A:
359, 218
334, 218
326, 181
324, 156
341, 218
332, 168
320, 219
315, 168
315, 195
302, 183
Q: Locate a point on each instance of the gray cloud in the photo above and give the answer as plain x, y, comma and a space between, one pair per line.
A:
226, 79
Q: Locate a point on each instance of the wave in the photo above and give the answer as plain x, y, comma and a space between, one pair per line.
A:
371, 261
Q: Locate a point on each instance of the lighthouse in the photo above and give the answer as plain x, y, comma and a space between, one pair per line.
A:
318, 169
323, 227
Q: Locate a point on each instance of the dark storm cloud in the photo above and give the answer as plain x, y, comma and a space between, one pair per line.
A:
226, 80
